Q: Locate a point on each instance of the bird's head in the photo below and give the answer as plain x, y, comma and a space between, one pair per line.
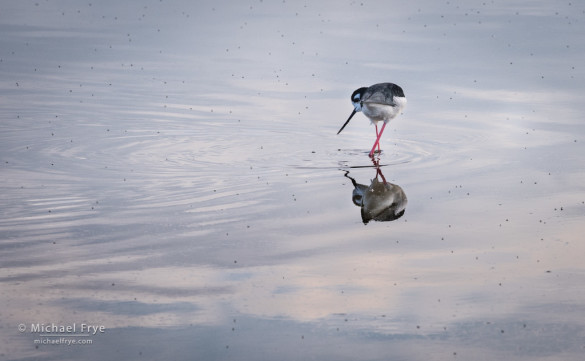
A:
356, 99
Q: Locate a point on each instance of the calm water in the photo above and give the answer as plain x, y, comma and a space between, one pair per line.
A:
170, 172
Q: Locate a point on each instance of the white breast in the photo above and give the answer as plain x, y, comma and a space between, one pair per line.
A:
384, 112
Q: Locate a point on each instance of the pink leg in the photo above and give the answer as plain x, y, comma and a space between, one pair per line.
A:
378, 170
376, 124
377, 140
379, 173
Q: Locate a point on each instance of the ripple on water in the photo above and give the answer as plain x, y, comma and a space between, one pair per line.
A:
402, 151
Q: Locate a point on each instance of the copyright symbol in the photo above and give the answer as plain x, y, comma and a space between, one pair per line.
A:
22, 327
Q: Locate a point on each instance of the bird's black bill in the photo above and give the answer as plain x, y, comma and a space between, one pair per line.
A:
347, 121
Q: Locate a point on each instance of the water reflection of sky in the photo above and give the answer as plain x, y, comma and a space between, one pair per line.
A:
170, 170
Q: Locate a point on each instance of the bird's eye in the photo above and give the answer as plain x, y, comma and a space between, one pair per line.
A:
356, 98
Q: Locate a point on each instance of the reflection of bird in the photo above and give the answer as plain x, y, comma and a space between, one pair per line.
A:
381, 201
379, 102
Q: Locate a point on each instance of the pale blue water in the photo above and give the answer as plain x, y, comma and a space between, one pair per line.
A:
170, 171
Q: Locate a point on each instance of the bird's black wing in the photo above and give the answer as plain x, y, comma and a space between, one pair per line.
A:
382, 93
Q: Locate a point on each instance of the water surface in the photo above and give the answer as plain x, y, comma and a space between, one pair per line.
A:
170, 171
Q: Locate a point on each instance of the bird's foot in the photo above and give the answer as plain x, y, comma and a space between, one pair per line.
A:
374, 152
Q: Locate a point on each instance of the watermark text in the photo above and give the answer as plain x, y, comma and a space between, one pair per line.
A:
62, 334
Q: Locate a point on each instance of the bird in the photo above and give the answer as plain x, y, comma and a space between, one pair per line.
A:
379, 102
380, 201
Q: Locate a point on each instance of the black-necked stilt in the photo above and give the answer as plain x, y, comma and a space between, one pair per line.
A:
382, 101
381, 200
